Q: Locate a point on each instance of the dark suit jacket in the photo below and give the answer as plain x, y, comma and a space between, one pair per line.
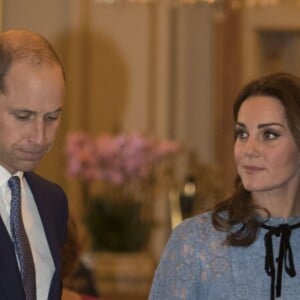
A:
52, 205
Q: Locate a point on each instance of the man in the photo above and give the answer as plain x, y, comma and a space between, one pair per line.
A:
32, 88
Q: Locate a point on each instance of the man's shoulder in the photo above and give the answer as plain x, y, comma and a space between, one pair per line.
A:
37, 181
34, 177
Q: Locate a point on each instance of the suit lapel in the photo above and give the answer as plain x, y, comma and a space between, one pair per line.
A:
52, 207
43, 204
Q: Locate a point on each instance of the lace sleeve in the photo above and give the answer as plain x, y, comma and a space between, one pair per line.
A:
177, 275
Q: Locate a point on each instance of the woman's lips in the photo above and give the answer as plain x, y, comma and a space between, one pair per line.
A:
252, 169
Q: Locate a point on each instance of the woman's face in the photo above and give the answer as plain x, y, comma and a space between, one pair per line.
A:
265, 152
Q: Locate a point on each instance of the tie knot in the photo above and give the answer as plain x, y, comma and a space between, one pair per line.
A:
14, 183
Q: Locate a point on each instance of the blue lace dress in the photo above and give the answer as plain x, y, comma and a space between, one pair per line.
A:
196, 265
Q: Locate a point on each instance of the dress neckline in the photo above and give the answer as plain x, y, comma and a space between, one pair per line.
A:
276, 221
281, 228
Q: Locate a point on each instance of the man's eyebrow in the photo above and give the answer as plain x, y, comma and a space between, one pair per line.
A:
55, 111
22, 110
33, 111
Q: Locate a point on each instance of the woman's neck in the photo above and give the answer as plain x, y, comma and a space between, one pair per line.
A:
278, 203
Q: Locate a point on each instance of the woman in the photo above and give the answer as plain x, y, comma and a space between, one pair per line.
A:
248, 247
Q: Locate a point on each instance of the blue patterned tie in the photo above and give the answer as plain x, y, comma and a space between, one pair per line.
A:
20, 240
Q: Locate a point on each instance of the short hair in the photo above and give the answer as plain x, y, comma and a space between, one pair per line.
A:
20, 44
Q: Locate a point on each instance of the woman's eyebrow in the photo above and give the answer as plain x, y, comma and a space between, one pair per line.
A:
262, 125
270, 124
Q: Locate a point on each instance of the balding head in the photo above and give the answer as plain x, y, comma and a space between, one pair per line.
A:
17, 45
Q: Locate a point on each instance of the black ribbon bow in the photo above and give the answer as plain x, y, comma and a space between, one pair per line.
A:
285, 256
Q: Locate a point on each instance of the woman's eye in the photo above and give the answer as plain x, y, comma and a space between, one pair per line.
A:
270, 135
240, 134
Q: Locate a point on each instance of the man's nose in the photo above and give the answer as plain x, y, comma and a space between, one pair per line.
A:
37, 132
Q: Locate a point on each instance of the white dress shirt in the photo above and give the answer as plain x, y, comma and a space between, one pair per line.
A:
43, 261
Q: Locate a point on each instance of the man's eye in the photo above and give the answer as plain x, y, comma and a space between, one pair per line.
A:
22, 116
52, 117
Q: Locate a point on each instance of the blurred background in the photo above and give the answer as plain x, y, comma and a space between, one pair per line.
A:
168, 69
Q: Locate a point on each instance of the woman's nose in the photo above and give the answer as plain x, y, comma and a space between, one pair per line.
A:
251, 147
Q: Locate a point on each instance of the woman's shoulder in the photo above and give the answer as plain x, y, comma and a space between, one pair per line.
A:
197, 228
199, 221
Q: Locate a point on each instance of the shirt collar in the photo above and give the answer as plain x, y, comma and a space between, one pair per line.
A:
5, 175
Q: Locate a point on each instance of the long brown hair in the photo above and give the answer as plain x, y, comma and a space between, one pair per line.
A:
239, 208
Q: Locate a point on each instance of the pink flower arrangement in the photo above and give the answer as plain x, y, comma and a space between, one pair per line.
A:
116, 159
125, 170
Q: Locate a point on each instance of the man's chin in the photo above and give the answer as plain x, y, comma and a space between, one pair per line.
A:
28, 166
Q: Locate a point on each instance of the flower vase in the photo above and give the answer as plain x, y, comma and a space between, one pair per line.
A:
122, 274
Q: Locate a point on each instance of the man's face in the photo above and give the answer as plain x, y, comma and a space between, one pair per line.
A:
29, 114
